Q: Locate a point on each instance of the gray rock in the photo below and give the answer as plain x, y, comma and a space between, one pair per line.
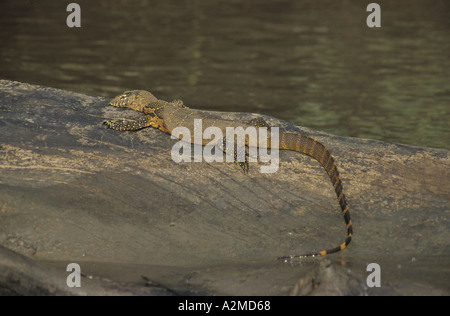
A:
72, 190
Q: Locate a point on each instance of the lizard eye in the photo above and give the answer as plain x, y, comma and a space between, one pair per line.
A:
125, 95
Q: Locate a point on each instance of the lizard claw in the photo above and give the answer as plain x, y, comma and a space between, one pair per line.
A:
244, 166
108, 123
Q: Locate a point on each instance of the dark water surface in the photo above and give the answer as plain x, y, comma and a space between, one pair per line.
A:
315, 63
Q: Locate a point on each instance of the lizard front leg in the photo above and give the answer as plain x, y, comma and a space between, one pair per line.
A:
147, 121
130, 125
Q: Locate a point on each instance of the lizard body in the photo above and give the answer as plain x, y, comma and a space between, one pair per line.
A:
166, 116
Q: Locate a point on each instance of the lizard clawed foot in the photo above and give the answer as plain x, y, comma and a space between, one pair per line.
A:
244, 166
110, 124
118, 126
129, 125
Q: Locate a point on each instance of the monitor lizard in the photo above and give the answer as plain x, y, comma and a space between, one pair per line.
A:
166, 116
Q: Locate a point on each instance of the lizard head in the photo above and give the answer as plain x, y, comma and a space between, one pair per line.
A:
135, 99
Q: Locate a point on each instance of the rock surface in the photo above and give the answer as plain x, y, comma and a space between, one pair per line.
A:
72, 190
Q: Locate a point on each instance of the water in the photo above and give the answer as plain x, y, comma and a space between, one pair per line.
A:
315, 63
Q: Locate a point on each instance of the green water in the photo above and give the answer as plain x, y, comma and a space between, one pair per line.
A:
315, 63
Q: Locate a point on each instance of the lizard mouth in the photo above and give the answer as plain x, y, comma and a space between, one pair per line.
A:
120, 101
117, 103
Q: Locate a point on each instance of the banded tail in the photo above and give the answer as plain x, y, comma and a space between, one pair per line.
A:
313, 148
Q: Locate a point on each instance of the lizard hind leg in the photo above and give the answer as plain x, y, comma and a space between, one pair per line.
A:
179, 104
258, 122
240, 158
